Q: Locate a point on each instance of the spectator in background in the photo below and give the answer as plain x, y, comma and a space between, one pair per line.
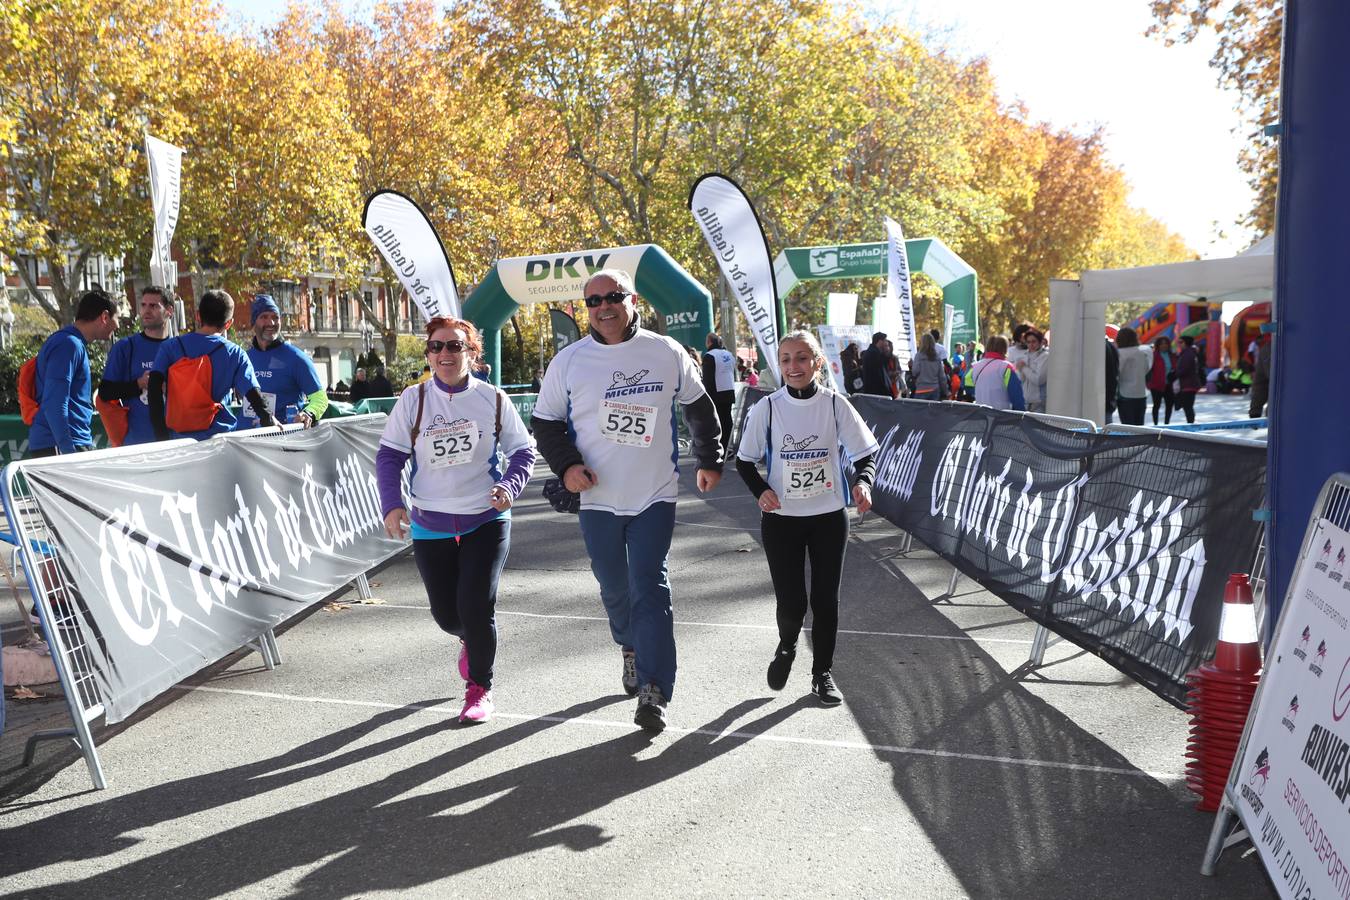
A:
719, 380
176, 397
1033, 368
1260, 381
938, 346
425, 376
994, 379
850, 364
930, 377
536, 381
65, 401
1018, 348
126, 375
1190, 377
1160, 378
895, 378
360, 388
1133, 364
379, 385
1112, 376
874, 367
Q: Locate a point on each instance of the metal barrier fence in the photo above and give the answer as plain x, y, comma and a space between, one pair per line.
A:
66, 622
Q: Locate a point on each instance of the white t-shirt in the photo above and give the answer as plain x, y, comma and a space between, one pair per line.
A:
618, 401
455, 463
725, 370
798, 441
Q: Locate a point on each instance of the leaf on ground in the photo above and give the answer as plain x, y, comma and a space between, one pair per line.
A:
24, 693
742, 549
330, 606
371, 601
375, 584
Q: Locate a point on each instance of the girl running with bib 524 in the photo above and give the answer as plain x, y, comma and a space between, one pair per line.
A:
798, 432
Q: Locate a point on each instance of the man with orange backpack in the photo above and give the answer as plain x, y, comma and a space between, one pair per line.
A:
194, 373
123, 392
54, 387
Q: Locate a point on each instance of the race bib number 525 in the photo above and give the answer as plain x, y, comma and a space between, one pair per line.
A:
628, 424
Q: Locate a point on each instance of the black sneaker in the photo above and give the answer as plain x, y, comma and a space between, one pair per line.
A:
651, 709
822, 686
779, 667
629, 679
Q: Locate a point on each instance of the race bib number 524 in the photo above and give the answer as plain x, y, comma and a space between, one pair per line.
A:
628, 424
806, 478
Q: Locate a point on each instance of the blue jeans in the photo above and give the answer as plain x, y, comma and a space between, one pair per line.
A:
628, 557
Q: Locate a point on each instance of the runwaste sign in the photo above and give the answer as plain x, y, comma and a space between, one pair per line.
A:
1291, 782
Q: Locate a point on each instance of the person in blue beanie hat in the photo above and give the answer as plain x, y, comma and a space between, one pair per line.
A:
286, 375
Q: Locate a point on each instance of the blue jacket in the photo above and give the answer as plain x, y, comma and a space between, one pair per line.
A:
66, 405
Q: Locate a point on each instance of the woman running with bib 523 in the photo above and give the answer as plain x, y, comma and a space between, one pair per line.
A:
452, 426
798, 432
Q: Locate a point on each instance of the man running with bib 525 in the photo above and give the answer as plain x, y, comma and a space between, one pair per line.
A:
605, 422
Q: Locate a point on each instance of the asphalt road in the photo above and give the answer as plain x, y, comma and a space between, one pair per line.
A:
951, 770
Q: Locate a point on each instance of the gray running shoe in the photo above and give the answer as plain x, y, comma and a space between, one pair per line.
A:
630, 682
651, 709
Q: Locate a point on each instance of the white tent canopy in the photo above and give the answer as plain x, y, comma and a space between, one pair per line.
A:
1076, 385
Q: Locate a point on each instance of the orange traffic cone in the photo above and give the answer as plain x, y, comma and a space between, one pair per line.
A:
1221, 695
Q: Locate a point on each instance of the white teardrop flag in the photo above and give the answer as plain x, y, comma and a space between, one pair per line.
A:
408, 242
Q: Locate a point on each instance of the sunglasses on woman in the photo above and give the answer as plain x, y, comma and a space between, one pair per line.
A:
613, 298
452, 346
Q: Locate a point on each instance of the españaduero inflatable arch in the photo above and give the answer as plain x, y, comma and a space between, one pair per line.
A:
559, 277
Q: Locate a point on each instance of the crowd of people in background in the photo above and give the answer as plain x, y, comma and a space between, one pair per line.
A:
1172, 376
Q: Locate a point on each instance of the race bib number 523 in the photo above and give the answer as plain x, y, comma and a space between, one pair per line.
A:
452, 445
628, 424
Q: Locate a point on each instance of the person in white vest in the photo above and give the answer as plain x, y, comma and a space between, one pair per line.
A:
605, 422
994, 379
803, 433
719, 380
456, 428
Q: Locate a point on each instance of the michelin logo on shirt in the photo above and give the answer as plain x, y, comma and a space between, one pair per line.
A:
799, 449
628, 385
440, 421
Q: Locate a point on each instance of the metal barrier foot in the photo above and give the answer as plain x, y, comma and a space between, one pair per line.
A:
30, 748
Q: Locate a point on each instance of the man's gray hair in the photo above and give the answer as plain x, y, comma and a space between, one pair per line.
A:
618, 276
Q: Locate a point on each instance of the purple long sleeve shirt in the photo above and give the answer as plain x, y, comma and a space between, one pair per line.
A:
389, 465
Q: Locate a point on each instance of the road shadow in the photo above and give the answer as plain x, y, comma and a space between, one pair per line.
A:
381, 835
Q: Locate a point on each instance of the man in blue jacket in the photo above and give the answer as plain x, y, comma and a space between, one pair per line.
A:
126, 376
65, 403
286, 375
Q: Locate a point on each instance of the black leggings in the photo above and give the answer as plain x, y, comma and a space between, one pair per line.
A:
788, 542
1185, 401
1168, 398
460, 576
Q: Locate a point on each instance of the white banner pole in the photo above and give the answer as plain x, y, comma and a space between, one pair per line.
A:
898, 294
166, 167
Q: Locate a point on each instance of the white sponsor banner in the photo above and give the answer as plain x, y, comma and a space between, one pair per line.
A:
948, 317
733, 233
1293, 778
408, 242
899, 301
833, 340
560, 277
841, 309
166, 173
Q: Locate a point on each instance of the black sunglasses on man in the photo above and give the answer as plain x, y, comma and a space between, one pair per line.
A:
613, 298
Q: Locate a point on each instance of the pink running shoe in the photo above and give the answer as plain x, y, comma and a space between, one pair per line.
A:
477, 705
463, 660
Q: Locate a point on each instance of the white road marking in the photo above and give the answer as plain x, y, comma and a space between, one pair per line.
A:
895, 634
441, 709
